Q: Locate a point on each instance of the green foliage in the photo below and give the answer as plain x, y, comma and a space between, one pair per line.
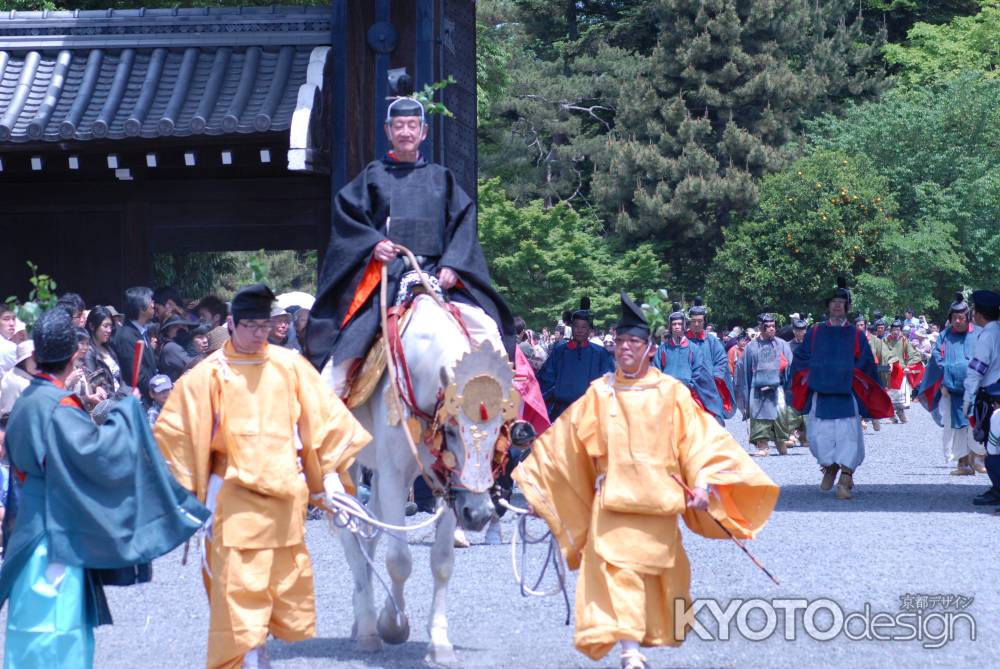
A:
827, 214
936, 53
544, 259
426, 97
41, 297
712, 107
937, 148
198, 274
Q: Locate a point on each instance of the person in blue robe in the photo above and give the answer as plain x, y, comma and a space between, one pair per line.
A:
720, 400
97, 506
762, 374
833, 382
678, 357
572, 365
944, 383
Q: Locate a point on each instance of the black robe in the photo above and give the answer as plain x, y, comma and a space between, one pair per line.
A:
430, 214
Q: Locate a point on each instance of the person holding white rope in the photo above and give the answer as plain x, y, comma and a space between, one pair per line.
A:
240, 430
602, 478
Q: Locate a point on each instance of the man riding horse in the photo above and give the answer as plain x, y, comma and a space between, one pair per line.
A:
401, 199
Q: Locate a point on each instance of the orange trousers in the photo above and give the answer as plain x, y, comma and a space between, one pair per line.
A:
256, 592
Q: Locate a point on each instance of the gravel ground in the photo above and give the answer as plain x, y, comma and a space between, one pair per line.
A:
909, 530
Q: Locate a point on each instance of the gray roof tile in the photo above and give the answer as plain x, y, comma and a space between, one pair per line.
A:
90, 75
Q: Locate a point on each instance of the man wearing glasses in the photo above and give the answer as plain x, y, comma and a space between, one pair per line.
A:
606, 477
240, 430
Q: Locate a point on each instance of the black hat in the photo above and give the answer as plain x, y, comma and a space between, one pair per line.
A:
404, 107
676, 313
178, 320
252, 302
799, 324
876, 315
583, 313
959, 306
633, 321
699, 308
897, 322
986, 298
841, 292
765, 318
860, 318
54, 336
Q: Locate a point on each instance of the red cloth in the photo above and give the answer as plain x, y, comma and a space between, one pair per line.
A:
532, 405
896, 376
727, 399
915, 374
873, 396
800, 390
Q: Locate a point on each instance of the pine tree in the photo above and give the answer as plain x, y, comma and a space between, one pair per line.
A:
714, 107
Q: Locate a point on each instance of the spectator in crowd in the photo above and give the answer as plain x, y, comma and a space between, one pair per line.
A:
159, 390
101, 363
76, 307
117, 318
8, 337
557, 338
197, 348
138, 314
167, 302
4, 476
281, 323
300, 321
174, 358
78, 381
17, 379
213, 311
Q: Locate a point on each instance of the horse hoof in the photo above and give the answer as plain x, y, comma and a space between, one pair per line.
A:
389, 630
370, 643
441, 654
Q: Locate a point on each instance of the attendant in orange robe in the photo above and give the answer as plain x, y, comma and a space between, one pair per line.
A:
601, 477
253, 430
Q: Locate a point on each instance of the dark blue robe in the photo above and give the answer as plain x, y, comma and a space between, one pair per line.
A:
568, 371
829, 367
100, 495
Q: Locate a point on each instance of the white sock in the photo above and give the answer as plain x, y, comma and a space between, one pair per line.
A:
629, 646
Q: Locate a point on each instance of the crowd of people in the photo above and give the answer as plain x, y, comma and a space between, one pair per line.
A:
176, 334
750, 368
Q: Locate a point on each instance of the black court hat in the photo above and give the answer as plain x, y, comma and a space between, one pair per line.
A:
252, 302
633, 321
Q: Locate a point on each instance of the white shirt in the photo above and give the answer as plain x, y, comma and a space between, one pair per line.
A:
14, 383
984, 368
8, 354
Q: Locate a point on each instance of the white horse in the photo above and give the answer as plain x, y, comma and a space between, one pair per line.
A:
432, 344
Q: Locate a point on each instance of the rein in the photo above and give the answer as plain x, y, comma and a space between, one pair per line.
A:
553, 557
399, 372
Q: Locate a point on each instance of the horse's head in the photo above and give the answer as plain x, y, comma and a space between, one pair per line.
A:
477, 404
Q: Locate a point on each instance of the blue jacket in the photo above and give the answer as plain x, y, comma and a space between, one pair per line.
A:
567, 372
100, 494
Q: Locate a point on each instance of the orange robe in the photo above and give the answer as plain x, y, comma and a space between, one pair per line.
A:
601, 478
268, 426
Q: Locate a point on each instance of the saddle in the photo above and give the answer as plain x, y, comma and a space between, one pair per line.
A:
368, 371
